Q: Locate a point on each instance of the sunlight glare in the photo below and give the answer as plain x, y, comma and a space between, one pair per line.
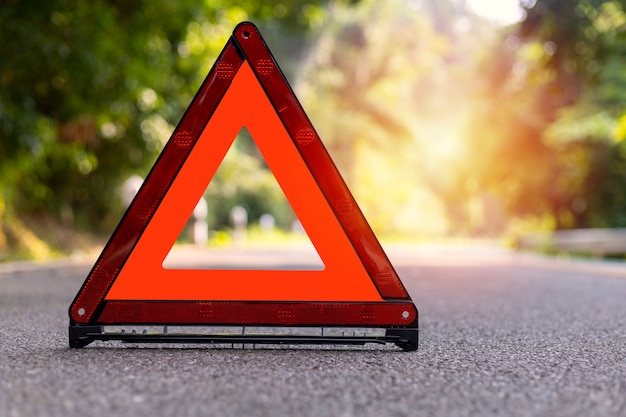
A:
504, 12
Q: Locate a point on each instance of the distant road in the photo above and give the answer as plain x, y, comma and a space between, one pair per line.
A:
501, 334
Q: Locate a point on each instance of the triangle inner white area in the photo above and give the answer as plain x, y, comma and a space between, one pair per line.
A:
244, 222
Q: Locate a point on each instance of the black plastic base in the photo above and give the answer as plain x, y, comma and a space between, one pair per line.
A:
80, 336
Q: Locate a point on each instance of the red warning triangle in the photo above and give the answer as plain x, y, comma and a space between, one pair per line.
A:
357, 287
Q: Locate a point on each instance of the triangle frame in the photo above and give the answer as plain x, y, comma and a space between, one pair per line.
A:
244, 63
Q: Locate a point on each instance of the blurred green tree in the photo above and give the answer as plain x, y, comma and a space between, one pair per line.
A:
493, 121
587, 130
549, 102
89, 93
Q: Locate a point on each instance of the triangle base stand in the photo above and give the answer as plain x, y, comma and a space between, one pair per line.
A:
405, 338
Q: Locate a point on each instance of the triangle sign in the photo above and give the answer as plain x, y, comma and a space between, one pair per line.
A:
358, 286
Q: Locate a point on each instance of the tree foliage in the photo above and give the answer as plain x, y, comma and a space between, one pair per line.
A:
90, 91
441, 121
494, 123
583, 45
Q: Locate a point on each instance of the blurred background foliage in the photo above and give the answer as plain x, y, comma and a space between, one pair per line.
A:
442, 121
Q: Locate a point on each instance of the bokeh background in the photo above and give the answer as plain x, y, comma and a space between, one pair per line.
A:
449, 118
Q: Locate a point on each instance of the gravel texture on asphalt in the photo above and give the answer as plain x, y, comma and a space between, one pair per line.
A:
496, 339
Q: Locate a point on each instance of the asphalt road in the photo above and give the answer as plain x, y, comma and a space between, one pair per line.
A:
500, 335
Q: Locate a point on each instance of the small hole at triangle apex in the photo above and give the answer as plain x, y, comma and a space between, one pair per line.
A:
246, 34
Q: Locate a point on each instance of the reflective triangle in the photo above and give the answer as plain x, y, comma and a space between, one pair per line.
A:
245, 88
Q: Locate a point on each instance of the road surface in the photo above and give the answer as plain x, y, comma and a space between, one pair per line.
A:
500, 335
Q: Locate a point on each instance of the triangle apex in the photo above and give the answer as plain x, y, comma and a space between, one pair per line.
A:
245, 29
